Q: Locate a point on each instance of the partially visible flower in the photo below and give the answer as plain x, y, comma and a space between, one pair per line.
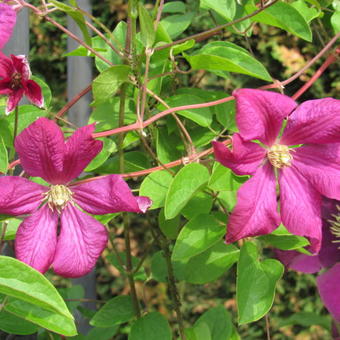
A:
7, 22
57, 232
15, 73
328, 257
303, 173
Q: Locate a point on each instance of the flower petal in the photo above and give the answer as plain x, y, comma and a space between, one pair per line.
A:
320, 165
81, 148
7, 22
256, 209
6, 66
41, 150
21, 66
13, 100
36, 239
5, 86
259, 114
243, 159
81, 241
33, 93
314, 121
19, 196
328, 286
109, 194
300, 206
329, 253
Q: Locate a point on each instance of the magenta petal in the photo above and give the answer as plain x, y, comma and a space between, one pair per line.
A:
329, 253
328, 286
314, 121
300, 206
36, 239
13, 100
7, 23
144, 203
21, 66
81, 148
81, 241
243, 159
256, 210
259, 114
19, 196
33, 93
320, 164
6, 66
109, 194
41, 150
5, 86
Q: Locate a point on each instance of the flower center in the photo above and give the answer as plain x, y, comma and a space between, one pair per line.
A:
16, 81
279, 156
58, 196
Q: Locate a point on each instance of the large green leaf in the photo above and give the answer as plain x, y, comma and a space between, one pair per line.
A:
12, 324
177, 24
255, 283
225, 8
184, 186
152, 326
25, 283
225, 56
146, 26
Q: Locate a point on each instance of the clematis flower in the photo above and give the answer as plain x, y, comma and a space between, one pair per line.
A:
7, 22
15, 73
57, 232
303, 173
328, 257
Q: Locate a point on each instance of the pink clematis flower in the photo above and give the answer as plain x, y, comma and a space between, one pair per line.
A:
328, 257
57, 232
8, 19
303, 173
15, 73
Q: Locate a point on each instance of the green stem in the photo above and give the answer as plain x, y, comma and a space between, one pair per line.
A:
15, 132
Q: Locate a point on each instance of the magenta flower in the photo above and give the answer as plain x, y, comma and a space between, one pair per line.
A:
7, 22
15, 73
57, 232
303, 173
328, 257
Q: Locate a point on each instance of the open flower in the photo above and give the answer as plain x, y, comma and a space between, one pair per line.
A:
15, 73
57, 232
304, 173
7, 22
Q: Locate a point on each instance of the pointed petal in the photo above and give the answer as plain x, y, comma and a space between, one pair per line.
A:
36, 239
259, 114
81, 241
300, 206
13, 100
7, 23
144, 203
19, 196
81, 148
256, 210
243, 159
21, 66
314, 121
33, 93
5, 86
41, 150
6, 66
328, 286
320, 164
109, 194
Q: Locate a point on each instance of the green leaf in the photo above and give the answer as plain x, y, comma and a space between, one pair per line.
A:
46, 91
201, 203
77, 17
146, 26
307, 319
23, 282
159, 270
186, 183
225, 8
225, 56
3, 157
152, 326
335, 22
177, 24
108, 148
196, 236
156, 186
209, 265
309, 13
200, 332
255, 283
115, 312
10, 323
174, 7
284, 16
108, 82
170, 227
11, 229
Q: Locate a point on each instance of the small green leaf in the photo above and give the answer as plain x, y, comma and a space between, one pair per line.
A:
255, 283
108, 148
174, 7
159, 270
170, 227
225, 8
196, 236
3, 157
146, 26
46, 91
108, 82
152, 326
115, 312
199, 332
177, 24
184, 186
335, 22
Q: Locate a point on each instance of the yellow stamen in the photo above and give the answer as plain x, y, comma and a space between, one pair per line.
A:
58, 196
279, 156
